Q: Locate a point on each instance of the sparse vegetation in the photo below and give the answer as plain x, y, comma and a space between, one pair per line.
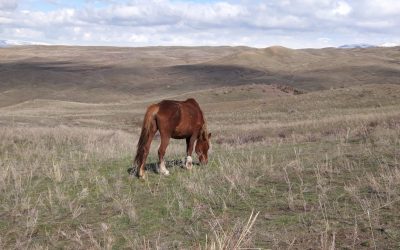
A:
318, 170
110, 74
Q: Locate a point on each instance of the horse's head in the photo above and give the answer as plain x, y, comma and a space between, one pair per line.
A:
202, 146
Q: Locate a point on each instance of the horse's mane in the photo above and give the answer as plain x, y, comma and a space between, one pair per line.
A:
204, 129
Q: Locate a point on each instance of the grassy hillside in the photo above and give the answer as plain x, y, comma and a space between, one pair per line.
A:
318, 170
107, 74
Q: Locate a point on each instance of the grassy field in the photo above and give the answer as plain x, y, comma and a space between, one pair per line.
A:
313, 171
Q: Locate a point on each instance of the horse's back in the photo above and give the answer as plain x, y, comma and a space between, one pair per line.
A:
191, 100
182, 118
169, 112
173, 105
174, 102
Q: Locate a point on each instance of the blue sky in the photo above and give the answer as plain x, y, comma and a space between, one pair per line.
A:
256, 23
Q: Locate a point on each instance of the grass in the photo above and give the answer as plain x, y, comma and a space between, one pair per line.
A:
306, 171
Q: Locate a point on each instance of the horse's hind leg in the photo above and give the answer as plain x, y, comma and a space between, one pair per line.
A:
141, 167
161, 153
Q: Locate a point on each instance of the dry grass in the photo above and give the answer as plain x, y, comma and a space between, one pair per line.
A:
309, 171
47, 176
110, 74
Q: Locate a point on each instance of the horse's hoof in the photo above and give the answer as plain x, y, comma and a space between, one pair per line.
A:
166, 173
189, 163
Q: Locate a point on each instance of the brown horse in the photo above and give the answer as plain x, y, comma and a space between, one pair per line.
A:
178, 120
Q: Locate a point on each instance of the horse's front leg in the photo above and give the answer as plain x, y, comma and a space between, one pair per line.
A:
161, 153
189, 150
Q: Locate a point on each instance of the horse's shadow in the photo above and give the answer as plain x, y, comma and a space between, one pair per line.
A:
153, 166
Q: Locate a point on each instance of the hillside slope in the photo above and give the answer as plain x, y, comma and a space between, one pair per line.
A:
313, 171
111, 74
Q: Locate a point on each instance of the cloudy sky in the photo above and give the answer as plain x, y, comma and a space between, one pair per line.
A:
290, 23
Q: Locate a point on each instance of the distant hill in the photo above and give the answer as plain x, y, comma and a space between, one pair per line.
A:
389, 44
6, 43
357, 46
112, 74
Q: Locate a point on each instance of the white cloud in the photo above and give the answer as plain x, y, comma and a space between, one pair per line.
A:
5, 20
8, 5
376, 24
24, 33
325, 40
389, 44
138, 38
381, 7
342, 9
295, 23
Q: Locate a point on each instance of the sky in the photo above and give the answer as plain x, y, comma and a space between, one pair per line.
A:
255, 23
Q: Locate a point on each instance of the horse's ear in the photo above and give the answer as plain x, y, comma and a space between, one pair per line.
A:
209, 135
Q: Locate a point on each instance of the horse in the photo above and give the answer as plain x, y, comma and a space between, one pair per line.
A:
177, 120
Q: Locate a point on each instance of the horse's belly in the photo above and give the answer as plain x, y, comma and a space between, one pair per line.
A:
180, 134
179, 137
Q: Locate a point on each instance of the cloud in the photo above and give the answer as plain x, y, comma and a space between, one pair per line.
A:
381, 8
293, 23
8, 5
389, 44
342, 9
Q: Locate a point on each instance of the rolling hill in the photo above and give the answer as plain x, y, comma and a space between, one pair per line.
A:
316, 170
112, 74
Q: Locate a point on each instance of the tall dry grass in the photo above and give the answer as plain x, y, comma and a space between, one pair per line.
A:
320, 176
48, 172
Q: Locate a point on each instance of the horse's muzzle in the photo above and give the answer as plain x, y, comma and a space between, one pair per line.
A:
203, 160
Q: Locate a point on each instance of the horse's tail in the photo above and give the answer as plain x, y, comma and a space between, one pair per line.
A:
148, 122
